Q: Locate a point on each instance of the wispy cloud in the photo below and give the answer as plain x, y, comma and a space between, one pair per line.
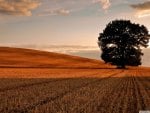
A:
104, 3
142, 9
61, 11
56, 48
18, 7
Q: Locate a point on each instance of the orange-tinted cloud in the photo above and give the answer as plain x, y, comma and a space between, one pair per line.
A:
142, 10
104, 3
18, 7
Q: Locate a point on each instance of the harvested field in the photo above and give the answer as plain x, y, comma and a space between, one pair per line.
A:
81, 89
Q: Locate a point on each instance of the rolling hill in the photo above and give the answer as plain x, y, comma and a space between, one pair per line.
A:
34, 81
17, 57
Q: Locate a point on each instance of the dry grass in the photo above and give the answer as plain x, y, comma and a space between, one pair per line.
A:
33, 88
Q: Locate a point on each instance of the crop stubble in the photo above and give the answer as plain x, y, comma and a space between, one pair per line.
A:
107, 91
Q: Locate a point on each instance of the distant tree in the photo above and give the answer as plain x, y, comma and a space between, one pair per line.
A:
121, 43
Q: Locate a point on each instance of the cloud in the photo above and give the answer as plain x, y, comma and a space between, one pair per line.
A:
63, 12
105, 3
58, 48
18, 7
57, 7
142, 9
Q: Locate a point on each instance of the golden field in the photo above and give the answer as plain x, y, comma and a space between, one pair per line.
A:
34, 81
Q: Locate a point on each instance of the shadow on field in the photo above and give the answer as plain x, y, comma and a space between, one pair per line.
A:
14, 67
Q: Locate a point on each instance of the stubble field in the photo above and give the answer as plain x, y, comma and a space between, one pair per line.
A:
73, 89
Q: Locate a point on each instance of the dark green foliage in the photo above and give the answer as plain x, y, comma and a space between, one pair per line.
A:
121, 43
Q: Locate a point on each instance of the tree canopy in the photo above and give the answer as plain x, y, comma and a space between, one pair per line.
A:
122, 41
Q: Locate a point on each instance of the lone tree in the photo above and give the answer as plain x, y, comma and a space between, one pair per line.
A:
121, 43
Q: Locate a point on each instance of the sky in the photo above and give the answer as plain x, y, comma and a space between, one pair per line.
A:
65, 22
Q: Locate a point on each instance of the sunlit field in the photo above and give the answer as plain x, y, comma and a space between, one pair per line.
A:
71, 88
